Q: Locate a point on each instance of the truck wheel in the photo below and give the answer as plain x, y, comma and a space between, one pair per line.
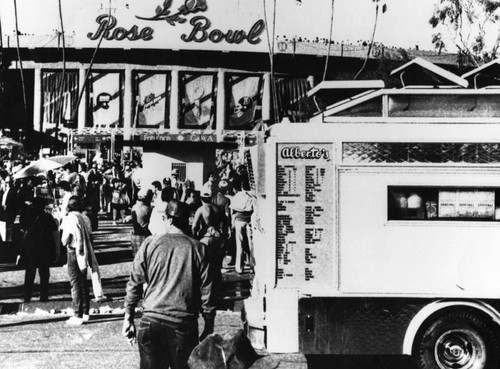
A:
458, 340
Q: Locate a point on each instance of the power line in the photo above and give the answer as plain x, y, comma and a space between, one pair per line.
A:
63, 79
19, 58
73, 116
270, 45
329, 42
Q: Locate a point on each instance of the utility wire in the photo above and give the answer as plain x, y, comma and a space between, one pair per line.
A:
63, 79
329, 42
371, 41
270, 45
1, 39
19, 58
75, 111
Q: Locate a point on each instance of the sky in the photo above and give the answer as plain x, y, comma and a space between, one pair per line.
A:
405, 24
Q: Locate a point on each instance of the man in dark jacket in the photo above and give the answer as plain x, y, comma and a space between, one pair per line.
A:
179, 286
40, 248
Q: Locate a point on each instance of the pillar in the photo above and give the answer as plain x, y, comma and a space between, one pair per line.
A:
220, 121
82, 108
128, 107
174, 102
267, 101
37, 100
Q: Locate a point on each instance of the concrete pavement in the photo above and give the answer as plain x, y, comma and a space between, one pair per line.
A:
45, 342
34, 334
115, 257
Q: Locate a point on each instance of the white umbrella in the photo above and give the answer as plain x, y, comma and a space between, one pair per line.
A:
8, 142
44, 165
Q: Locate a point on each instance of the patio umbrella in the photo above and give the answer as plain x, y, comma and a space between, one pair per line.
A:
62, 159
44, 165
8, 142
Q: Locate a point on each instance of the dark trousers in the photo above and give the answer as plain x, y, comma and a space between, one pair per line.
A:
29, 280
165, 344
79, 286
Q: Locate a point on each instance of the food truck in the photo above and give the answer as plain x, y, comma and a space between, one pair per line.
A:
377, 224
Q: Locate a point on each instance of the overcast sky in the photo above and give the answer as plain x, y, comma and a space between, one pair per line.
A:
405, 24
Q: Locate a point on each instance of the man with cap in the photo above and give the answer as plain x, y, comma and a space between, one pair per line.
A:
178, 280
141, 214
175, 182
211, 186
210, 227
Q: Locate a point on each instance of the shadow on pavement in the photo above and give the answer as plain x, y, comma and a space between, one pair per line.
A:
360, 362
113, 257
37, 321
17, 292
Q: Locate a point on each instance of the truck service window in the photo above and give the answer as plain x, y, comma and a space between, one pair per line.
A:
443, 203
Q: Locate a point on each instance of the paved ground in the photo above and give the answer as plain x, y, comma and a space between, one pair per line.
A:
33, 335
114, 256
43, 341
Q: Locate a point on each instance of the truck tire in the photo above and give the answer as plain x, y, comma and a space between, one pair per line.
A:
458, 340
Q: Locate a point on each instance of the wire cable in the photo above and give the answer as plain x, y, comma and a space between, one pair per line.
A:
75, 111
329, 42
23, 85
270, 45
63, 77
371, 43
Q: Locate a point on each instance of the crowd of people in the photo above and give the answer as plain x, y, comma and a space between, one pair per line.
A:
51, 217
180, 237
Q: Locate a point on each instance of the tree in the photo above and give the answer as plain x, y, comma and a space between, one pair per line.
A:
469, 25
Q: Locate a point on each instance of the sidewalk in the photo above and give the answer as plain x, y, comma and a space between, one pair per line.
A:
34, 334
115, 259
45, 342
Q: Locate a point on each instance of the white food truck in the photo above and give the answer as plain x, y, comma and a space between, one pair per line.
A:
377, 224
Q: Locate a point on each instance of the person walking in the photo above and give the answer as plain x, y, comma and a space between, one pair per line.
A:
76, 236
210, 228
40, 248
242, 209
156, 222
119, 201
141, 214
178, 280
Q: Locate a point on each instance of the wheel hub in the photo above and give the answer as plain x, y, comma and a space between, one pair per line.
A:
460, 349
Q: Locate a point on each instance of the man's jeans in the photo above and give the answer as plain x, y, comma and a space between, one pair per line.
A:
243, 231
164, 344
79, 286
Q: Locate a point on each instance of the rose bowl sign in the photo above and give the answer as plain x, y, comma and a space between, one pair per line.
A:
183, 24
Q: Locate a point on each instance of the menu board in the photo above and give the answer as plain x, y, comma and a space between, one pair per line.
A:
466, 204
304, 214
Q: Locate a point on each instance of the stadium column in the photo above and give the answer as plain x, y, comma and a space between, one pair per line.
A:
220, 121
129, 107
174, 102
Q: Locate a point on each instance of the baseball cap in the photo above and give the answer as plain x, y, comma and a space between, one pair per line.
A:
206, 192
142, 194
177, 209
